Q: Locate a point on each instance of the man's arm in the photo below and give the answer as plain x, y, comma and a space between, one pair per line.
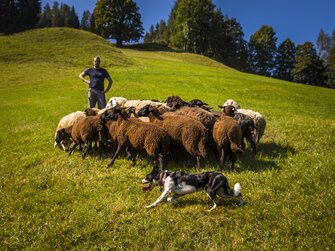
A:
110, 82
82, 77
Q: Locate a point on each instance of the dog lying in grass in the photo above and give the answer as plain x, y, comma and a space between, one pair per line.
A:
181, 183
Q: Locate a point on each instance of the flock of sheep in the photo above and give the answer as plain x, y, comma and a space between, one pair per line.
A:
162, 130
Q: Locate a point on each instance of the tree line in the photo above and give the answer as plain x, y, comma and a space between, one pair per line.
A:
195, 26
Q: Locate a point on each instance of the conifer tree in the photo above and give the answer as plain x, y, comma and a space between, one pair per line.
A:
85, 21
308, 68
46, 17
8, 16
284, 60
262, 47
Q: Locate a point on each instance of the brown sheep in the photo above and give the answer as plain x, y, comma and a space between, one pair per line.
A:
85, 130
137, 135
184, 131
227, 136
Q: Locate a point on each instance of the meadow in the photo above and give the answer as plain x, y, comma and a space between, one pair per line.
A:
50, 201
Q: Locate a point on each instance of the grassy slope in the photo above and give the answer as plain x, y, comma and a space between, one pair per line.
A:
48, 200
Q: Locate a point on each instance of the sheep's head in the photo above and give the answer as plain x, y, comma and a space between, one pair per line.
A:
91, 112
228, 110
175, 102
146, 110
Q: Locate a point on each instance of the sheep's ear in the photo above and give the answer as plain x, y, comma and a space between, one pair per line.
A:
220, 106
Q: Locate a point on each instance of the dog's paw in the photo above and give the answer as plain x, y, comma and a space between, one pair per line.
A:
172, 200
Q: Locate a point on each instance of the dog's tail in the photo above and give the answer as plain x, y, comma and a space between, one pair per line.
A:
237, 189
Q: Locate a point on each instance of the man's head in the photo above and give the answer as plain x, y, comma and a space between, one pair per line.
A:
96, 62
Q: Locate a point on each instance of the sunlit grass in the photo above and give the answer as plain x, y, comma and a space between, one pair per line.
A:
51, 201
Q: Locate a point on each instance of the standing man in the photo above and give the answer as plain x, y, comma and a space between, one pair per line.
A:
96, 91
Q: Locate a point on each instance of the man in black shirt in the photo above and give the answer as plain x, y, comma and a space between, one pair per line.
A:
96, 92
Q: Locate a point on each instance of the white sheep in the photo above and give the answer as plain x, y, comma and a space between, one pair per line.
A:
115, 101
258, 119
65, 122
233, 103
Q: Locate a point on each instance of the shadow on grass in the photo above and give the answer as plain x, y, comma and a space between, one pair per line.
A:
267, 156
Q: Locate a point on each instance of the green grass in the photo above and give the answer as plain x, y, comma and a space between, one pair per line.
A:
51, 201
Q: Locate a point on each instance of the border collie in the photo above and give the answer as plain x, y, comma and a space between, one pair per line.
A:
181, 183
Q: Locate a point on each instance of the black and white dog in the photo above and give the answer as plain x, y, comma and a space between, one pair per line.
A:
181, 183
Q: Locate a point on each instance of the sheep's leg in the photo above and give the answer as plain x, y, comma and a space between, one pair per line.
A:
233, 159
252, 143
222, 159
72, 149
242, 144
88, 147
161, 161
131, 155
198, 162
115, 155
101, 147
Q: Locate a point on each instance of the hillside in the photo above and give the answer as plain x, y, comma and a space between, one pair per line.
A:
51, 201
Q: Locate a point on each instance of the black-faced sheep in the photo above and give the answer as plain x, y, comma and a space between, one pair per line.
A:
176, 102
227, 136
258, 119
84, 131
184, 131
137, 135
68, 121
246, 123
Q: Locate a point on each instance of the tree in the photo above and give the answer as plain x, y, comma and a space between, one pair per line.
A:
308, 68
331, 68
73, 19
226, 42
119, 20
57, 20
150, 36
262, 48
190, 22
46, 17
85, 21
28, 14
324, 44
8, 16
284, 60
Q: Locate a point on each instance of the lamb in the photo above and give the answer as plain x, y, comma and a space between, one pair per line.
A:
85, 130
184, 131
136, 135
227, 136
258, 119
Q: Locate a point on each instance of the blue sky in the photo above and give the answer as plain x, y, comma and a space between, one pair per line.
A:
299, 20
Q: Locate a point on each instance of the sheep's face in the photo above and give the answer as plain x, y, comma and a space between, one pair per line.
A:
61, 135
145, 111
229, 110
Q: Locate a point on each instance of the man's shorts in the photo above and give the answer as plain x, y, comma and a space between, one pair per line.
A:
95, 96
